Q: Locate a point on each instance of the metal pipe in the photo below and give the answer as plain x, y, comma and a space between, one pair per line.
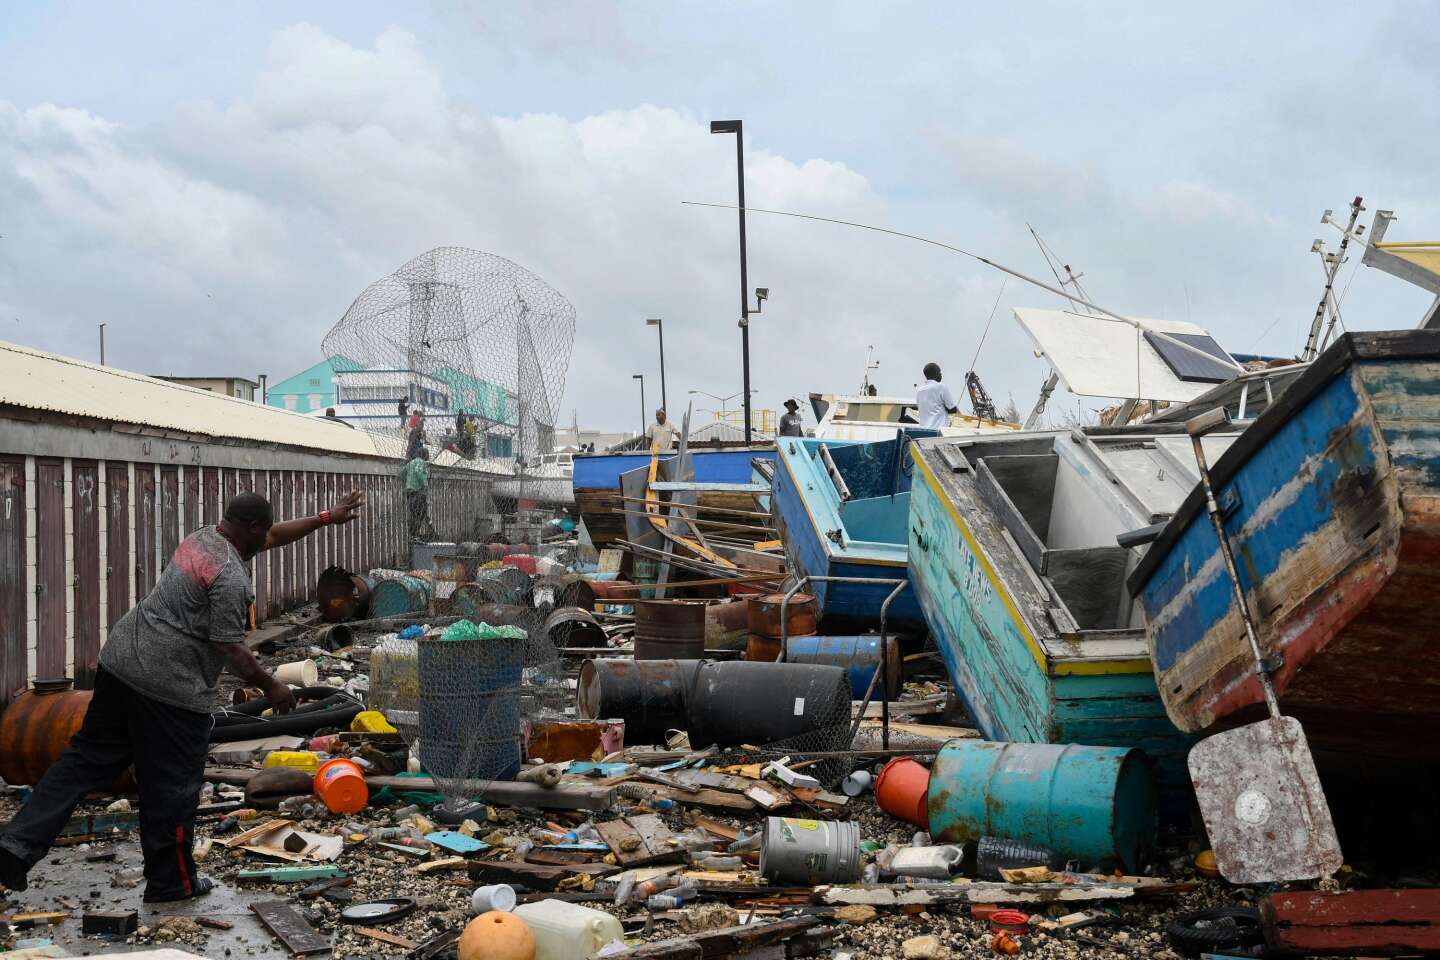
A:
1197, 427
737, 127
102, 344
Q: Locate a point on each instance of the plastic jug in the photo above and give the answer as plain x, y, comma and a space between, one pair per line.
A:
935, 863
567, 931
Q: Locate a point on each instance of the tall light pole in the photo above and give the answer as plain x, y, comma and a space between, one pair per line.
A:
641, 378
659, 326
102, 344
735, 127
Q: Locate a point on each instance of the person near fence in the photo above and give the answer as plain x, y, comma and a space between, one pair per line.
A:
416, 478
154, 691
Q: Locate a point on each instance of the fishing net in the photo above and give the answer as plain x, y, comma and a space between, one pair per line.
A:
474, 350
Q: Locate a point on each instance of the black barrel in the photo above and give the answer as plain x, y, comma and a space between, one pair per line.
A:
649, 695
574, 627
741, 701
514, 582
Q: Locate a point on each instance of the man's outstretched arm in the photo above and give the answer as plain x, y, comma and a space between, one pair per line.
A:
288, 531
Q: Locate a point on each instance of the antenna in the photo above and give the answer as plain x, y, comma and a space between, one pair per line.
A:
870, 364
1330, 262
1071, 279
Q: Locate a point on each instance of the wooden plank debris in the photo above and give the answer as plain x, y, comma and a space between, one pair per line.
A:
901, 895
640, 840
747, 940
1367, 922
290, 928
569, 795
395, 940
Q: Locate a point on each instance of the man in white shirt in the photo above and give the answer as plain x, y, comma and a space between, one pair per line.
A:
662, 433
934, 400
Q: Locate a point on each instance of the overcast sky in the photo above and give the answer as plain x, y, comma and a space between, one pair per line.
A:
218, 183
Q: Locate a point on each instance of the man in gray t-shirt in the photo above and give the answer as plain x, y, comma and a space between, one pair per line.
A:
154, 690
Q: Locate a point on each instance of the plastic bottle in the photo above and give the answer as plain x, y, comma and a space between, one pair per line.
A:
745, 844
663, 901
404, 812
696, 839
717, 862
657, 804
586, 833
302, 808
624, 889
921, 839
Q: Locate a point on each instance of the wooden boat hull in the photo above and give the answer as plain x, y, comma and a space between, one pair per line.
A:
1332, 503
596, 483
1014, 675
803, 504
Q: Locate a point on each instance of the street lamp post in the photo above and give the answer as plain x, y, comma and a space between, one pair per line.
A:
641, 378
659, 326
735, 127
102, 344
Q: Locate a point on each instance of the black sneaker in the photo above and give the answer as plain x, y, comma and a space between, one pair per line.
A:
203, 885
12, 871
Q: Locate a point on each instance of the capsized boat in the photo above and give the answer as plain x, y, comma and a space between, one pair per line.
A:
1331, 502
1014, 560
841, 508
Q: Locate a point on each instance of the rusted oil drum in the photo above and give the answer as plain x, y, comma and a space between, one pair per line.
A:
574, 627
649, 695
669, 630
800, 615
36, 728
576, 592
614, 591
515, 583
727, 625
762, 649
401, 597
470, 597
453, 569
738, 702
342, 595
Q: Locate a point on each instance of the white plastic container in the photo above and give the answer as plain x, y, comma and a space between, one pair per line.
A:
497, 896
933, 863
301, 673
568, 931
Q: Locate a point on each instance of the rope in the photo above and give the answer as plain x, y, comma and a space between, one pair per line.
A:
984, 333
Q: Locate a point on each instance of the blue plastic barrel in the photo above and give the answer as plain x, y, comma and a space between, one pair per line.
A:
858, 656
470, 709
1092, 804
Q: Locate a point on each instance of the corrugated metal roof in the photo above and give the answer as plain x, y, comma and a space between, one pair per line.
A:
45, 381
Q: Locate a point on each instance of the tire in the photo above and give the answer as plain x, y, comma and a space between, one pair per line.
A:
1219, 928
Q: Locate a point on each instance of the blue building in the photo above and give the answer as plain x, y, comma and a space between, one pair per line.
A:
312, 389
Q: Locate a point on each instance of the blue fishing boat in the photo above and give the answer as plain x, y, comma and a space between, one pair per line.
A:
841, 508
1331, 501
1015, 564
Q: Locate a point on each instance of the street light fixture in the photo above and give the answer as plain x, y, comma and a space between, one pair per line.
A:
736, 127
659, 326
721, 400
641, 378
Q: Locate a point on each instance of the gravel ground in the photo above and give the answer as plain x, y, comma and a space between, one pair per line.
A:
444, 899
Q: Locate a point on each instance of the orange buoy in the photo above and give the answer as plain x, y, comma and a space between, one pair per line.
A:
902, 791
497, 936
341, 784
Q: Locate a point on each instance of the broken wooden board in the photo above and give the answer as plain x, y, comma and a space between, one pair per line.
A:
747, 939
714, 827
1367, 922
394, 939
561, 858
709, 799
290, 928
639, 840
292, 874
533, 875
448, 863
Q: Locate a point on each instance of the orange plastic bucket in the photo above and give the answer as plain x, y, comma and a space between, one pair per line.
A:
901, 791
341, 784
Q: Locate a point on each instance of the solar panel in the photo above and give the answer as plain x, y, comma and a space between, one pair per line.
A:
1188, 366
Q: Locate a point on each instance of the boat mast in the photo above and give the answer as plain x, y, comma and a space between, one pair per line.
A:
870, 364
1071, 279
1331, 263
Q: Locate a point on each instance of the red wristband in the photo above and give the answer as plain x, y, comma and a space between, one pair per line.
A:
324, 518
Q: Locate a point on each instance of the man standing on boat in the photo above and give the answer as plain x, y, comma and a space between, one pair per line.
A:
790, 425
935, 401
662, 433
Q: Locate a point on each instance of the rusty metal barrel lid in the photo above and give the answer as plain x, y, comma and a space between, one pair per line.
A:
801, 615
574, 627
669, 629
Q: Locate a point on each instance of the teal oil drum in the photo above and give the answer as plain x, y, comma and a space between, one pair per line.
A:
858, 656
1093, 804
400, 597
